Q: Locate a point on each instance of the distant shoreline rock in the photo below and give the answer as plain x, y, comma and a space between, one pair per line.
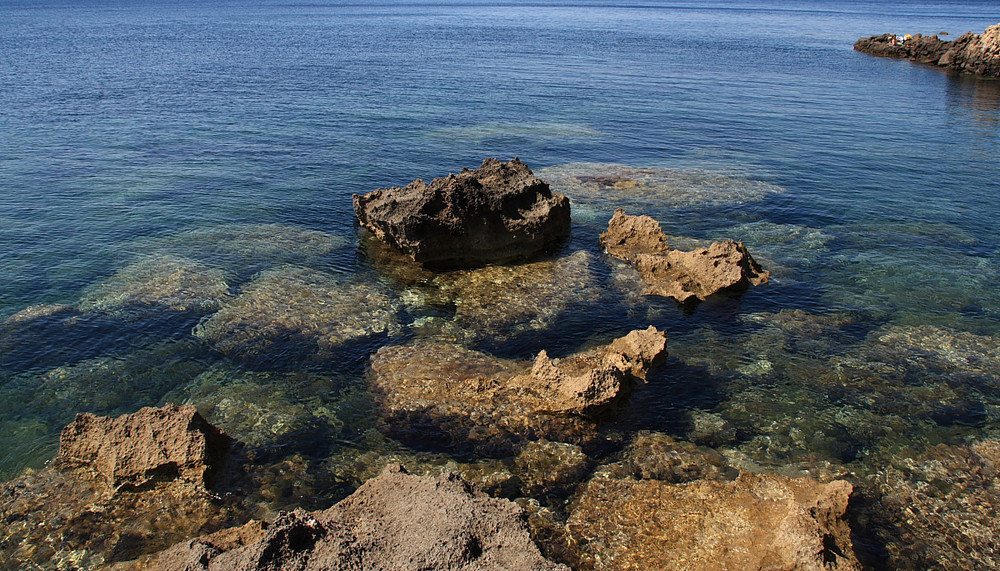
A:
977, 54
497, 213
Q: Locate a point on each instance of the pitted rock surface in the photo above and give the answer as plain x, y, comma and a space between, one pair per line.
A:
496, 213
153, 444
394, 521
722, 267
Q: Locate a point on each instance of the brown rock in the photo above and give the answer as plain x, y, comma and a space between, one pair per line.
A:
978, 54
758, 521
477, 399
151, 445
394, 521
723, 267
496, 213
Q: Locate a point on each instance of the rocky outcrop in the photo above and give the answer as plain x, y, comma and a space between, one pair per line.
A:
120, 488
470, 398
758, 521
496, 213
978, 54
685, 276
153, 444
394, 521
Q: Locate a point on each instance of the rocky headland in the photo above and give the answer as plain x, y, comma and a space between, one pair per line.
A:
977, 54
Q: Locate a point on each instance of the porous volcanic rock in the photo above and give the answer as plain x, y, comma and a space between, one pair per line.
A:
496, 213
153, 444
758, 521
470, 398
978, 54
394, 521
722, 267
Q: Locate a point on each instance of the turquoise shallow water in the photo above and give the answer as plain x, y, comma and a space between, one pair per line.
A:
160, 163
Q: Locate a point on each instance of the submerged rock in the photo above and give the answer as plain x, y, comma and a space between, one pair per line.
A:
683, 513
471, 398
937, 508
394, 521
299, 311
500, 302
649, 186
174, 283
978, 54
498, 212
722, 267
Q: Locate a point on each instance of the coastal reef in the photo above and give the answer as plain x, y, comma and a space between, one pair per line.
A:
977, 54
496, 213
684, 276
463, 397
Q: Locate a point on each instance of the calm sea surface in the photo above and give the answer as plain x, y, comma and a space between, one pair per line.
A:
159, 160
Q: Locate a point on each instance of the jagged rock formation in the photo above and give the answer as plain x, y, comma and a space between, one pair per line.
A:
470, 398
394, 521
723, 267
153, 444
978, 54
496, 213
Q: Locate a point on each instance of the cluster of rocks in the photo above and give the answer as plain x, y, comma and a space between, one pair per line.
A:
123, 490
977, 54
154, 490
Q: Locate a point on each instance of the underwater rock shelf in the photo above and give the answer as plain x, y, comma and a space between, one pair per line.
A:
977, 54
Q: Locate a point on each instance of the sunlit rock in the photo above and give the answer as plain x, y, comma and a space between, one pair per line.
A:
758, 521
496, 213
466, 398
173, 283
394, 521
120, 488
300, 311
614, 185
722, 267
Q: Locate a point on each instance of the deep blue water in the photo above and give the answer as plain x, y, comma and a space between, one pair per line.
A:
130, 130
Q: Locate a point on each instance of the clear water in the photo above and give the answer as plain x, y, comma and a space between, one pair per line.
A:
224, 141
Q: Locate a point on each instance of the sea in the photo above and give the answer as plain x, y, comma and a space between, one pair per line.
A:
176, 220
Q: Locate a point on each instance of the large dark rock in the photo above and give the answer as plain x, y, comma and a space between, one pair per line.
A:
496, 213
978, 54
394, 521
723, 267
